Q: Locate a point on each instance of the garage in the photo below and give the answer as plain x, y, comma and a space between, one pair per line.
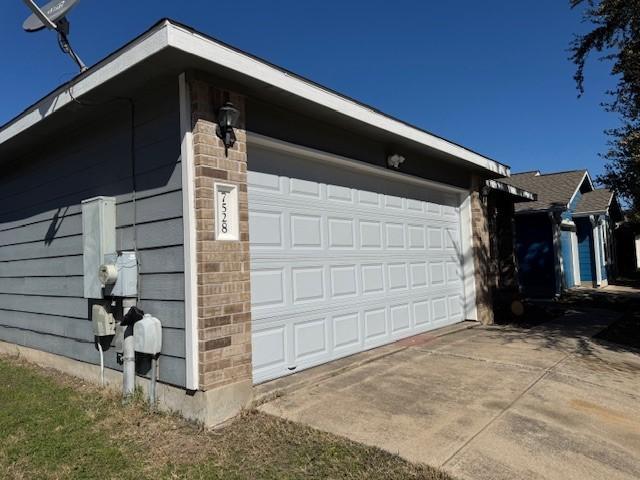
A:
345, 258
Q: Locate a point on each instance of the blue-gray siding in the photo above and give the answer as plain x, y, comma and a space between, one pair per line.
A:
41, 284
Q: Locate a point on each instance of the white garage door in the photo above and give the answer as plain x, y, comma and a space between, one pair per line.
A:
337, 270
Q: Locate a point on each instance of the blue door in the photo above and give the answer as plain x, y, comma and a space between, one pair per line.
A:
585, 250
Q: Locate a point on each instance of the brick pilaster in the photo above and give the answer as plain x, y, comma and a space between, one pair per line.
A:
224, 303
481, 253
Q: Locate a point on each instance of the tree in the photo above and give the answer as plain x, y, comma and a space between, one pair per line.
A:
616, 35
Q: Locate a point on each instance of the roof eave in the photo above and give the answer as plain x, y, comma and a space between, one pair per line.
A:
167, 34
512, 190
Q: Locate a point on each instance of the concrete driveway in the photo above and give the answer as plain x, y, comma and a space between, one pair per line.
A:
488, 403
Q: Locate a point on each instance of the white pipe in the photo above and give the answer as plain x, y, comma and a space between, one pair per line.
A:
101, 363
128, 364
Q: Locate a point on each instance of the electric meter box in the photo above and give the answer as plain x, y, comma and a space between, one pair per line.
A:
98, 239
147, 335
119, 274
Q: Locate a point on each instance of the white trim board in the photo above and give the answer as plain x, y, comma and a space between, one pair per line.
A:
189, 229
518, 192
167, 34
468, 259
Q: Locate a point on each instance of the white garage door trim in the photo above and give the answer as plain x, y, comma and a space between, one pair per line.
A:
276, 269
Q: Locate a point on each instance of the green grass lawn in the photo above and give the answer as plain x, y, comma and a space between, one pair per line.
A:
54, 426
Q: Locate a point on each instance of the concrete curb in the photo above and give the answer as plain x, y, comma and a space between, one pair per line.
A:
277, 388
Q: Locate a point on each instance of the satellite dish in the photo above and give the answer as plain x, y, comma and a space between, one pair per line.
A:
53, 10
53, 16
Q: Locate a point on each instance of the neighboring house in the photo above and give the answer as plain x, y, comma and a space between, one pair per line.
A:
326, 229
564, 238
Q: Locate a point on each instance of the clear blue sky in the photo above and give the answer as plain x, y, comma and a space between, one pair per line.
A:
490, 75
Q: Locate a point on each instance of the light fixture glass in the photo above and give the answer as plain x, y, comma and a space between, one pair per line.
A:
228, 119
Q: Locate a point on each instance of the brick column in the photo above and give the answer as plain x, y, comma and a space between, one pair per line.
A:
481, 253
224, 303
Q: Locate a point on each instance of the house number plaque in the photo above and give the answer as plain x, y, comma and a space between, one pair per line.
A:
226, 211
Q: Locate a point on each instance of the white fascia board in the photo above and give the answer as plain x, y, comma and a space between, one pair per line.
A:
344, 162
515, 191
588, 214
147, 45
205, 48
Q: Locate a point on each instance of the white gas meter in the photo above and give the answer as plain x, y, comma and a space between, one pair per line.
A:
147, 335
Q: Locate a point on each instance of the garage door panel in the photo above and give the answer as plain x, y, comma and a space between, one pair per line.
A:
341, 233
268, 287
346, 332
375, 324
269, 348
372, 278
266, 229
310, 340
421, 315
398, 276
439, 309
306, 231
419, 278
400, 319
343, 281
336, 270
394, 235
436, 273
340, 194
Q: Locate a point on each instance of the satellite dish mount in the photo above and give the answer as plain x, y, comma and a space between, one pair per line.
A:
53, 16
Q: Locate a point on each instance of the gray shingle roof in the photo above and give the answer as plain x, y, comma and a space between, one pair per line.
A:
594, 201
553, 189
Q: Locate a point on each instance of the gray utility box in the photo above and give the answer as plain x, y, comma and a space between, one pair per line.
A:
147, 335
98, 239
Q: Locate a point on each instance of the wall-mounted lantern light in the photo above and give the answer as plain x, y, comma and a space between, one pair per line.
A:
228, 117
